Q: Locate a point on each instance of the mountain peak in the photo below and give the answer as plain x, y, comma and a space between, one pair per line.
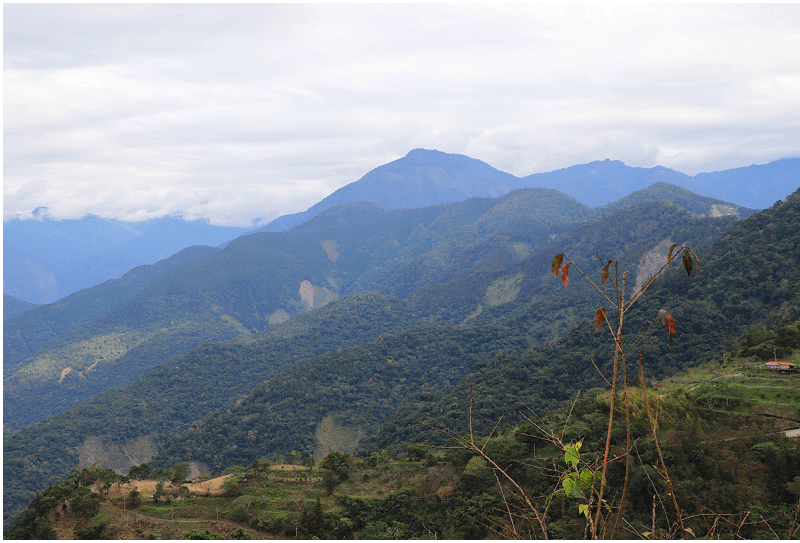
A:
422, 178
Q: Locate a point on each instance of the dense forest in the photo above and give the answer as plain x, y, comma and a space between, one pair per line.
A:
72, 354
366, 368
716, 452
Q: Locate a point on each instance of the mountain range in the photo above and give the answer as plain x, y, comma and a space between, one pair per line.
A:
45, 260
425, 177
350, 324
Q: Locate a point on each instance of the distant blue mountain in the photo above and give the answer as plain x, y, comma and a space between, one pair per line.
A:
599, 183
426, 177
602, 182
44, 260
757, 186
419, 179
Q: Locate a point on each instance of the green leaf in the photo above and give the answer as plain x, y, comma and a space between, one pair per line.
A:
569, 485
586, 476
571, 454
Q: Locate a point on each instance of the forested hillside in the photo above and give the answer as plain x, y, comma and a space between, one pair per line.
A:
25, 335
501, 298
128, 425
750, 275
731, 470
174, 394
13, 307
263, 279
348, 388
699, 205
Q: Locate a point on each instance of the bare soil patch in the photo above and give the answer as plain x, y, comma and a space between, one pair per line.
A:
147, 486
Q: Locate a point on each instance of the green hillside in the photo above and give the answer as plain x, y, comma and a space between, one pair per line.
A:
176, 393
26, 334
745, 279
720, 438
506, 268
362, 387
128, 425
256, 281
541, 378
13, 307
699, 205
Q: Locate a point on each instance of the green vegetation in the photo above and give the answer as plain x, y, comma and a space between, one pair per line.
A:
13, 307
25, 335
728, 468
689, 201
108, 336
169, 397
374, 366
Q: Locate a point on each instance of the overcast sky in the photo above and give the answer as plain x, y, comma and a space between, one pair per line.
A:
242, 113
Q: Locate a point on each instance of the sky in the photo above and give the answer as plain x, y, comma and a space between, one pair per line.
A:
241, 113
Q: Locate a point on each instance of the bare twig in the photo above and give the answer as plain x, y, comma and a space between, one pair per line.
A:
470, 445
508, 509
617, 351
627, 445
652, 279
603, 294
600, 372
569, 415
795, 526
658, 449
739, 526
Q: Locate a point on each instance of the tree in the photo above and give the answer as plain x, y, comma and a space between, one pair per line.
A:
161, 474
91, 532
338, 464
180, 472
231, 486
311, 519
158, 492
84, 503
140, 472
134, 499
32, 526
417, 451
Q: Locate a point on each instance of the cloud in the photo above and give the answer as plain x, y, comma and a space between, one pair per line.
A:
240, 113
